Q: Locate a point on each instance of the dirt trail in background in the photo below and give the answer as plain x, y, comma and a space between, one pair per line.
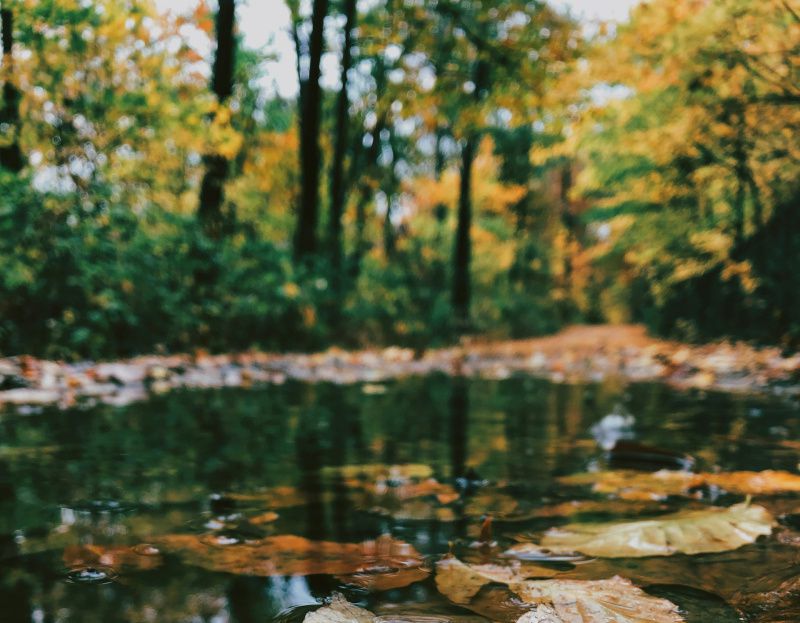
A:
576, 354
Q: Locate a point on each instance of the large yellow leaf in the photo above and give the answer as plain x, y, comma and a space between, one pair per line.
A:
686, 532
615, 600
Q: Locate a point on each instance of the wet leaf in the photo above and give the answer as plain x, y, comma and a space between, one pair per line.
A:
263, 518
781, 605
600, 507
697, 605
615, 600
460, 582
768, 482
292, 555
638, 486
634, 485
499, 504
687, 532
383, 580
339, 610
139, 558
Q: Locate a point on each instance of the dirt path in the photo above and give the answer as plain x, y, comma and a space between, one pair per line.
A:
576, 354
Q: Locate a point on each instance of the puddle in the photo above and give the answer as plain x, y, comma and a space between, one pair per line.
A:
255, 505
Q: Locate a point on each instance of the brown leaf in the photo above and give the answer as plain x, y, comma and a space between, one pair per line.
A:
615, 600
632, 485
460, 582
382, 580
119, 558
293, 555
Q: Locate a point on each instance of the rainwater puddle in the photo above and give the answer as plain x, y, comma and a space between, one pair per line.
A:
237, 506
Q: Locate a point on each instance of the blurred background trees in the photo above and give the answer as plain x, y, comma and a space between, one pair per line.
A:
485, 166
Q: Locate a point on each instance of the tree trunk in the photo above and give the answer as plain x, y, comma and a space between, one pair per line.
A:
337, 192
463, 251
463, 248
305, 241
10, 153
212, 189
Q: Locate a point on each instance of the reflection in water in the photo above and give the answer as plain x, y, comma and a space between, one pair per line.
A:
459, 426
106, 477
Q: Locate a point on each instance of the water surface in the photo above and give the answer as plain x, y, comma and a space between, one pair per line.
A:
109, 477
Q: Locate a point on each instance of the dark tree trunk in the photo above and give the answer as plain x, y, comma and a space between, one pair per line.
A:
463, 250
337, 194
212, 189
10, 153
463, 247
305, 241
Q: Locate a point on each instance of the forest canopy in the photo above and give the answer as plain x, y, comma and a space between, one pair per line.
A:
493, 167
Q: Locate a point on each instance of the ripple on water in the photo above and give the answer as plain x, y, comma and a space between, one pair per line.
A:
90, 575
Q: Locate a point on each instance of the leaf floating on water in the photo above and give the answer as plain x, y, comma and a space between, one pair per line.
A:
555, 600
600, 507
768, 482
460, 582
615, 600
384, 580
632, 485
120, 558
339, 610
293, 555
686, 532
780, 605
638, 486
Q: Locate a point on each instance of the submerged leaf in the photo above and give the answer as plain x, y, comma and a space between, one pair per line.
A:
293, 555
687, 532
615, 600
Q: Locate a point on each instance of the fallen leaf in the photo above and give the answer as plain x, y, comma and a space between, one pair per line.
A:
263, 518
632, 485
780, 605
382, 580
600, 507
615, 600
768, 482
292, 555
637, 486
460, 582
339, 610
119, 558
687, 532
